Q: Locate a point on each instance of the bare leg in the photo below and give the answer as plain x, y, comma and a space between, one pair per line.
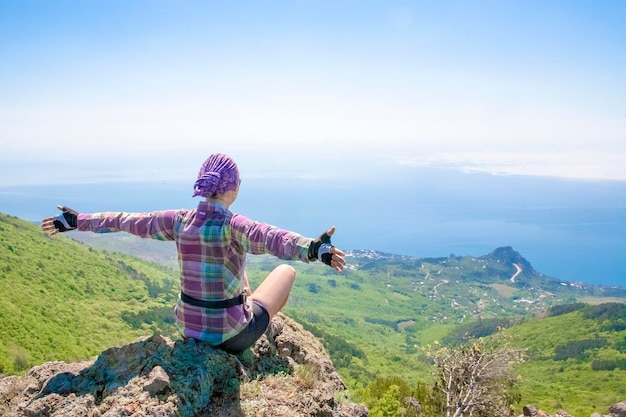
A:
274, 290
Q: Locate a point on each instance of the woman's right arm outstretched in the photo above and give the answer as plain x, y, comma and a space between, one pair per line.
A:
261, 238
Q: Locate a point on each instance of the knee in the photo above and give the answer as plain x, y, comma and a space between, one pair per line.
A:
287, 271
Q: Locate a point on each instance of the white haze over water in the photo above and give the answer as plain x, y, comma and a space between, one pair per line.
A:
293, 88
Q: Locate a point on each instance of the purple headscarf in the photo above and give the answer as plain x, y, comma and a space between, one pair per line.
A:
217, 175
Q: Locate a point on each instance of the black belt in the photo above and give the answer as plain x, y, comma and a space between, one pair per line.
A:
240, 299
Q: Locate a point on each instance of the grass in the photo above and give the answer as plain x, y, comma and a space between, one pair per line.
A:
567, 384
63, 301
504, 290
601, 300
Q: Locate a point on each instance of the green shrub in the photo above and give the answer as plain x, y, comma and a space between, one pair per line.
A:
606, 311
575, 349
608, 364
561, 309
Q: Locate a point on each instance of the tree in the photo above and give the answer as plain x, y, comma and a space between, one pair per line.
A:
388, 405
474, 377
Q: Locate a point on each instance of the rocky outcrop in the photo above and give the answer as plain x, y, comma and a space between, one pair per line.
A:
155, 376
616, 410
510, 256
531, 411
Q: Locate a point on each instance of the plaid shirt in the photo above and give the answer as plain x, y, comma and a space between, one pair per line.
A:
212, 245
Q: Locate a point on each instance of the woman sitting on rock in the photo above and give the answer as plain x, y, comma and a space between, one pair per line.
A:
215, 304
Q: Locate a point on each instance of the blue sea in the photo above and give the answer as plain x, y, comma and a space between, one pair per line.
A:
571, 230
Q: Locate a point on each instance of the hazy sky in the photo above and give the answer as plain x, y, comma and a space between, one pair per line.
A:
94, 90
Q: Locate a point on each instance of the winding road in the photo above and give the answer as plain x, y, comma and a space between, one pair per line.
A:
445, 281
519, 271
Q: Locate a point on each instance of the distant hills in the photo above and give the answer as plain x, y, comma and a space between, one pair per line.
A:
499, 269
501, 282
69, 300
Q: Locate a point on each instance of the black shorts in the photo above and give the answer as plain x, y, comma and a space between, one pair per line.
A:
252, 332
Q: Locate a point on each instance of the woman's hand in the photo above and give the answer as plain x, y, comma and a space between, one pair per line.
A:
323, 250
65, 221
338, 261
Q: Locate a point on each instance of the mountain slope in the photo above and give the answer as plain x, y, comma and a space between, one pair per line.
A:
63, 300
576, 360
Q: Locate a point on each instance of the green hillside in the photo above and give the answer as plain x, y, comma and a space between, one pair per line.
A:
62, 300
407, 301
576, 360
376, 316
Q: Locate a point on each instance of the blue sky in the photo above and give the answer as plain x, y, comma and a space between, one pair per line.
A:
118, 90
